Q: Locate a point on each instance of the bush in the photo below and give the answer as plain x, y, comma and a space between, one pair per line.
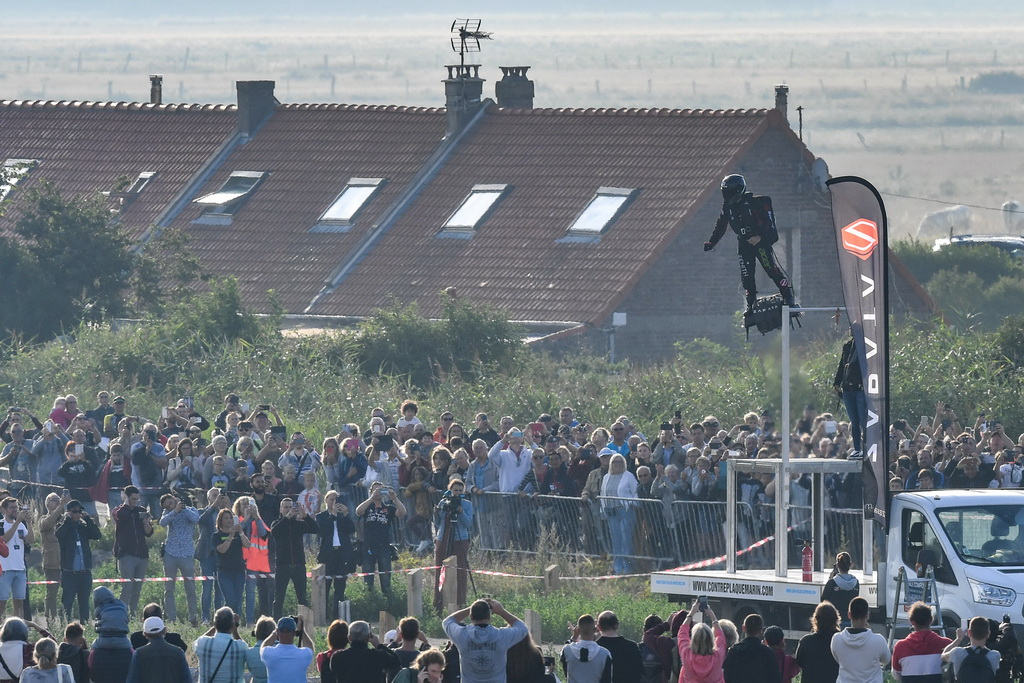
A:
398, 342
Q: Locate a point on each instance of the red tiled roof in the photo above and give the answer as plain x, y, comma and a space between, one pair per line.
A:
311, 151
553, 161
86, 147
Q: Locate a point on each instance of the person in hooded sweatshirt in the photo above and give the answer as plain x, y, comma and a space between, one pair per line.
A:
860, 652
583, 660
918, 657
701, 648
482, 647
842, 586
111, 652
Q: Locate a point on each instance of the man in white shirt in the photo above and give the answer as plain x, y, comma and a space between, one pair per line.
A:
514, 462
17, 534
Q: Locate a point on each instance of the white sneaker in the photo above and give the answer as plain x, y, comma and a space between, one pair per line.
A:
855, 455
423, 547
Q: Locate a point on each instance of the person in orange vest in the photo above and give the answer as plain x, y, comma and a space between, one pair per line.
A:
258, 578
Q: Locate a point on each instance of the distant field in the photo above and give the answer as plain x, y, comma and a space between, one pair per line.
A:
880, 100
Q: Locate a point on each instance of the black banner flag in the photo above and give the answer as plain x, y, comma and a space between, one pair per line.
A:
859, 218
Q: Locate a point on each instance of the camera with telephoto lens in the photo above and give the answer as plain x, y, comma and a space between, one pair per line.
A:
452, 505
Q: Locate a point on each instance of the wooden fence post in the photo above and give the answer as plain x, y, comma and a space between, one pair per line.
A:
414, 593
533, 624
552, 578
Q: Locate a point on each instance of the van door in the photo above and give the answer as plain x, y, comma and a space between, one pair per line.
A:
919, 545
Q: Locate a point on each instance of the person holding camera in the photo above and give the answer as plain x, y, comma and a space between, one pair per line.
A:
74, 533
21, 455
379, 512
287, 533
285, 662
79, 473
179, 553
17, 534
454, 523
335, 529
702, 645
132, 526
149, 460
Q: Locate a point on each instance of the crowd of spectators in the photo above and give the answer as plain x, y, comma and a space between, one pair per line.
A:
250, 500
691, 646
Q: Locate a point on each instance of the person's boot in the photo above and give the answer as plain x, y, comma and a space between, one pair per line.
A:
787, 296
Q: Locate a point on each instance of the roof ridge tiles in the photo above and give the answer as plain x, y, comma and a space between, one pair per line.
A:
630, 111
111, 104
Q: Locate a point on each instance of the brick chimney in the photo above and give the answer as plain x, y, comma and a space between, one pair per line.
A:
256, 103
782, 101
514, 90
156, 89
463, 90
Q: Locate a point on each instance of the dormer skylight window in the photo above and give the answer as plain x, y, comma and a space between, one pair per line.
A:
13, 171
140, 183
477, 205
229, 198
339, 215
604, 207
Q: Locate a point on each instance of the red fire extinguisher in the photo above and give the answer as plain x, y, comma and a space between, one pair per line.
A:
807, 553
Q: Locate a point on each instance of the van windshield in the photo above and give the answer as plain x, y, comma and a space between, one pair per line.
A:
986, 535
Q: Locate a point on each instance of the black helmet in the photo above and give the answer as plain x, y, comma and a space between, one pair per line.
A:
733, 186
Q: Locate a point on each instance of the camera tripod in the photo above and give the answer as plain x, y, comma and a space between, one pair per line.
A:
448, 543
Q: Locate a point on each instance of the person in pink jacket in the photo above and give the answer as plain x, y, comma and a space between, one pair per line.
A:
702, 650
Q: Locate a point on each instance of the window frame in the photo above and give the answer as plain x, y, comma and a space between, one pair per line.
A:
324, 224
499, 190
232, 205
628, 194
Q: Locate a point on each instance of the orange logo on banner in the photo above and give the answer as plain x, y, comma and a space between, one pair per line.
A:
860, 238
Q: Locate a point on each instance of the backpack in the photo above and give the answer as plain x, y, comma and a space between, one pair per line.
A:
764, 218
652, 668
976, 668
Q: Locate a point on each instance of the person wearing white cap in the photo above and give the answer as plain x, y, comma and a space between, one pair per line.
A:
158, 661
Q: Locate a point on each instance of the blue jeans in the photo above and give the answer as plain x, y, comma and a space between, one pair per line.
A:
211, 589
856, 403
231, 582
620, 526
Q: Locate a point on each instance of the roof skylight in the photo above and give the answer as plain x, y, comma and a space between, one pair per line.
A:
355, 195
475, 207
606, 204
140, 183
13, 171
238, 186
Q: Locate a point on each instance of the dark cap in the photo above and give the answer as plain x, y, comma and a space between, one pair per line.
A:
118, 399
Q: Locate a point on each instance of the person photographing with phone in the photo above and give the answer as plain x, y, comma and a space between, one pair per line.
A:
132, 526
583, 660
287, 533
16, 532
149, 460
454, 523
701, 644
378, 512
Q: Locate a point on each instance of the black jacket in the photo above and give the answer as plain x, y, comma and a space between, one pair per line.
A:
814, 655
751, 661
749, 216
139, 640
360, 663
161, 662
287, 534
67, 539
848, 377
325, 523
626, 660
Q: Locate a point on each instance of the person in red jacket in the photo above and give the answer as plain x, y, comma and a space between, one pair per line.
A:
918, 657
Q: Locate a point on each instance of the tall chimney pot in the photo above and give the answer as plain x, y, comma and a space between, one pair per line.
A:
256, 103
463, 93
514, 90
782, 101
156, 89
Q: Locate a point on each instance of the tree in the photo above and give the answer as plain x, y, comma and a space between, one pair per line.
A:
66, 262
164, 265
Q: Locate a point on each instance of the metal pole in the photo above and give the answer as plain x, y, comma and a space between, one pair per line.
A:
782, 479
730, 520
611, 345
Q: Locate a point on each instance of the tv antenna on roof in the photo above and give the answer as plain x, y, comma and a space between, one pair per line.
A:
466, 37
